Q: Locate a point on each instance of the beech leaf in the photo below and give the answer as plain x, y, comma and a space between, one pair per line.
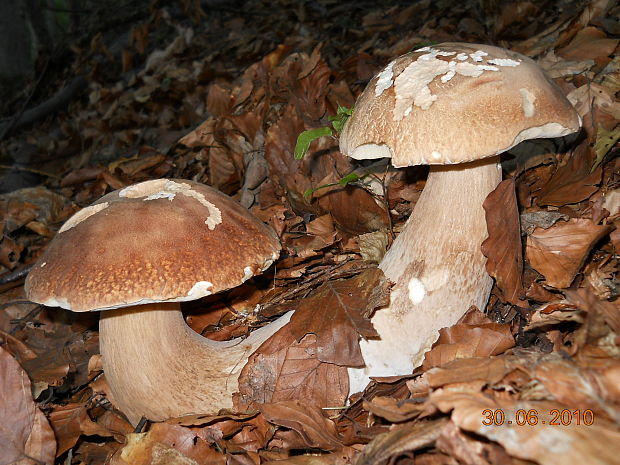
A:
335, 313
559, 252
25, 434
503, 246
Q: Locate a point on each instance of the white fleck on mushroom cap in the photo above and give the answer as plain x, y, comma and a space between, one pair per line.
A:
165, 240
453, 103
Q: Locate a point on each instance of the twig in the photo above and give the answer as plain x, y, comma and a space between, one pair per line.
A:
15, 275
30, 170
54, 103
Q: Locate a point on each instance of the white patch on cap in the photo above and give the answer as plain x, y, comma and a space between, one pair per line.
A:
200, 289
412, 84
478, 55
527, 102
161, 195
436, 156
82, 215
167, 189
504, 62
247, 274
417, 292
385, 79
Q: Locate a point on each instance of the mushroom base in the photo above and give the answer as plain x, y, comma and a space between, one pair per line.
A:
438, 268
157, 367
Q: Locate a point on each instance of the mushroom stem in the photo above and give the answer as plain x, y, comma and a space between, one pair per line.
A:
159, 368
437, 267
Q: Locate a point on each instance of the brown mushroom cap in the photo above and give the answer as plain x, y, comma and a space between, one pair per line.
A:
453, 103
157, 241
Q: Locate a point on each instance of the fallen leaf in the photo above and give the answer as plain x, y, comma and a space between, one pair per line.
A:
312, 428
503, 246
336, 312
558, 253
572, 182
406, 438
25, 434
589, 43
470, 451
71, 421
284, 369
167, 444
473, 336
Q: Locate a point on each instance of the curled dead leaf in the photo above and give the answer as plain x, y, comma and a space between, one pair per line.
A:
25, 434
558, 253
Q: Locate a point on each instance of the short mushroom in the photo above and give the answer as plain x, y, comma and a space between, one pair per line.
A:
137, 253
455, 107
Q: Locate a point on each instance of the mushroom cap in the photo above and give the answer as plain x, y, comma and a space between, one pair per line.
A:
453, 103
156, 241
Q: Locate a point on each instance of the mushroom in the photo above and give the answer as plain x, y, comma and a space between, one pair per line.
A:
455, 107
137, 253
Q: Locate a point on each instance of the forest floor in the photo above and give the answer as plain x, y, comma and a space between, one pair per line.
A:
218, 93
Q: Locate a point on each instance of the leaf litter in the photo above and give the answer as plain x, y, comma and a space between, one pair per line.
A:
220, 97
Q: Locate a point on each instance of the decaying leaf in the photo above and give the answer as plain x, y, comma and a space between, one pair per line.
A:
605, 140
166, 444
559, 252
336, 312
473, 336
573, 181
290, 370
409, 437
503, 246
312, 428
25, 434
71, 421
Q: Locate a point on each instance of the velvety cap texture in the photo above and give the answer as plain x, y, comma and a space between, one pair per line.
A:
157, 241
453, 103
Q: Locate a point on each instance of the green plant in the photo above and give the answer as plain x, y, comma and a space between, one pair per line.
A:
306, 137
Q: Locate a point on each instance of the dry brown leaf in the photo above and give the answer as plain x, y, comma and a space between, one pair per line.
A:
409, 437
473, 336
503, 246
470, 451
488, 369
284, 370
577, 388
353, 208
590, 43
558, 253
394, 410
25, 434
572, 182
312, 428
73, 420
22, 206
167, 444
336, 313
547, 443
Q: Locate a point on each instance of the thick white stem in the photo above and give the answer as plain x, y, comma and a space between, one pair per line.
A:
157, 367
437, 267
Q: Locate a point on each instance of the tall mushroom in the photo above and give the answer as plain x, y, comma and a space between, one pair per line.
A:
137, 253
455, 107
